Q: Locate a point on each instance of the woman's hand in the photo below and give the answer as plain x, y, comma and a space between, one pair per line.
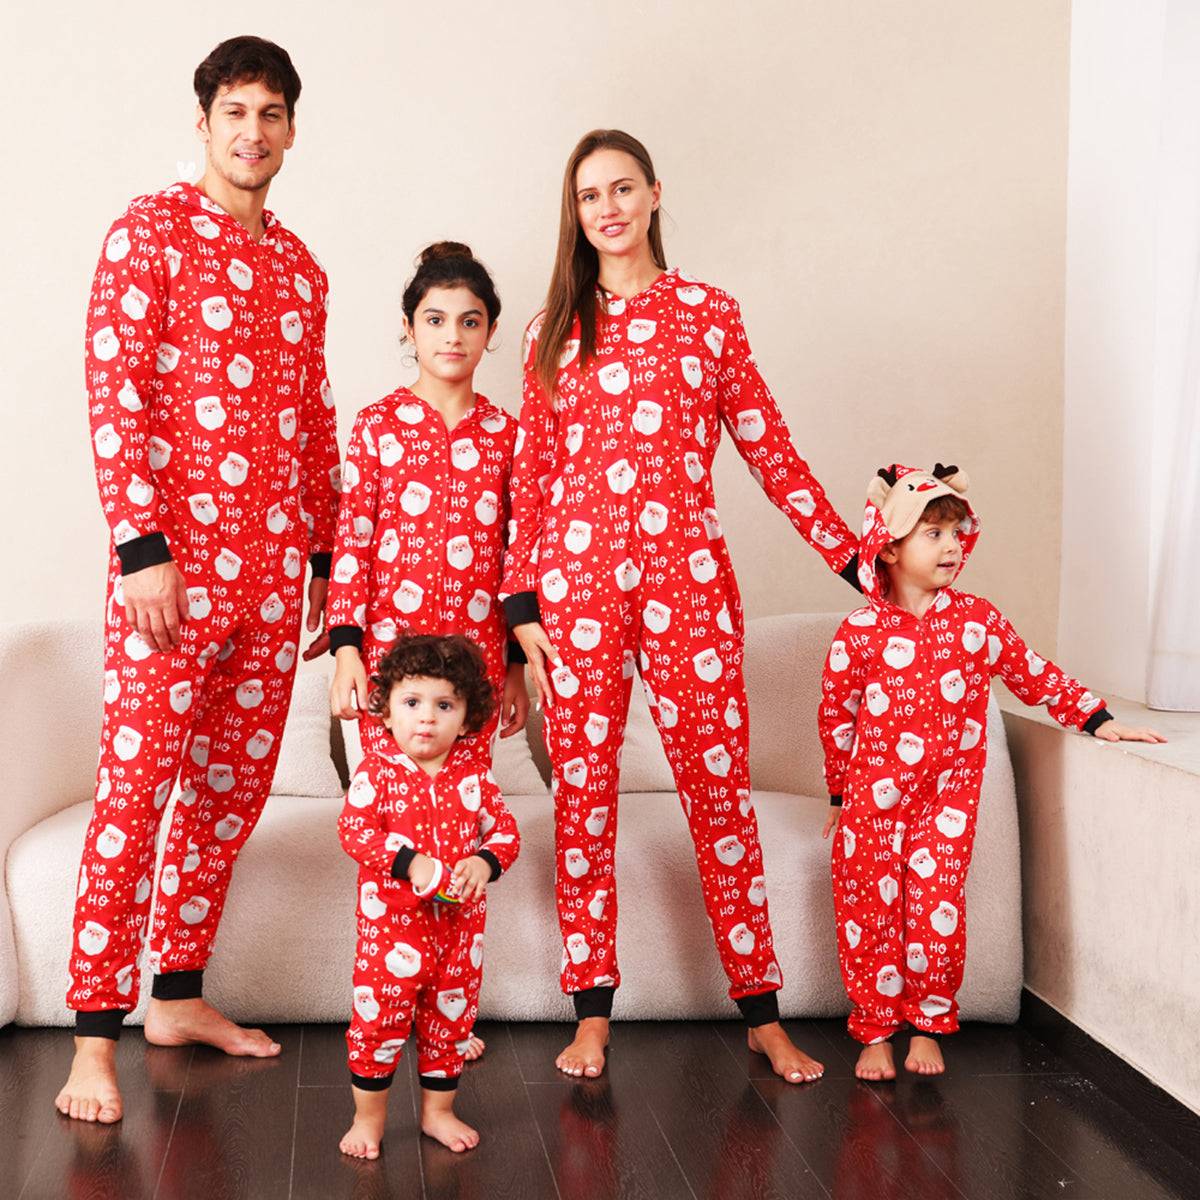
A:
514, 701
538, 651
1114, 731
469, 879
348, 693
831, 820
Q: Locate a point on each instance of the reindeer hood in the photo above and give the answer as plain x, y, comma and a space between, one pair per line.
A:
896, 498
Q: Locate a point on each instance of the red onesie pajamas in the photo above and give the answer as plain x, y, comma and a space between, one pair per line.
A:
215, 445
903, 721
418, 959
617, 545
420, 535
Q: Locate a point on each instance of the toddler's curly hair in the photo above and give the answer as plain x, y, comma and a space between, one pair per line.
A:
455, 659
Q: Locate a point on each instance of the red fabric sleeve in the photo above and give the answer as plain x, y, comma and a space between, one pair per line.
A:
841, 694
503, 839
350, 579
361, 828
318, 429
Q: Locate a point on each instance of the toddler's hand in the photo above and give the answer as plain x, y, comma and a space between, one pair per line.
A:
831, 820
420, 871
469, 879
1114, 731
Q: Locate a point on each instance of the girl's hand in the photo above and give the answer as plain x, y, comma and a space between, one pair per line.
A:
348, 693
420, 871
469, 879
538, 650
831, 820
1114, 731
514, 703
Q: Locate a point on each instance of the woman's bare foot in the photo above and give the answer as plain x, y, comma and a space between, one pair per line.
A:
787, 1061
585, 1055
362, 1139
474, 1048
192, 1022
91, 1092
924, 1056
876, 1063
439, 1122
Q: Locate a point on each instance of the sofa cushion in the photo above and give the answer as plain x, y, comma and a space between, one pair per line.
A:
305, 766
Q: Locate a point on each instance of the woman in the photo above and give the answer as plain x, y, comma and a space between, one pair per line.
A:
616, 562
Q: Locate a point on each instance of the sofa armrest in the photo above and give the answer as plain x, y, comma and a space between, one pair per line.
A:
51, 688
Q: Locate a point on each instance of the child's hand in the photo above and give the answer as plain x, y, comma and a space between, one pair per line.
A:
514, 703
469, 879
831, 820
1114, 731
420, 871
348, 692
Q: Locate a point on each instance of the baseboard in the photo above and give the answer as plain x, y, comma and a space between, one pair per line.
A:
1173, 1121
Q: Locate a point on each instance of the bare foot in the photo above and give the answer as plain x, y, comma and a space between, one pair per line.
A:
876, 1063
474, 1048
585, 1055
787, 1061
370, 1114
439, 1122
924, 1056
91, 1093
192, 1022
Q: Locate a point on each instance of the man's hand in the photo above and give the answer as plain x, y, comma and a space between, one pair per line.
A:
538, 650
469, 879
318, 589
156, 603
514, 703
349, 691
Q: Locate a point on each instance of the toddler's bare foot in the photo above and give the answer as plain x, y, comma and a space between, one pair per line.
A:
474, 1048
91, 1092
787, 1061
362, 1139
439, 1122
924, 1056
585, 1055
191, 1022
876, 1063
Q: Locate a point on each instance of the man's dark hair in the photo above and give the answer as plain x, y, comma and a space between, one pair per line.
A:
455, 659
247, 60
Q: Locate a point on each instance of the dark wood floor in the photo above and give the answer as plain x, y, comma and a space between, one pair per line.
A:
685, 1111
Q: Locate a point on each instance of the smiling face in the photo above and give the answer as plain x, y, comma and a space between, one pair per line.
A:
449, 332
928, 558
425, 716
614, 203
246, 133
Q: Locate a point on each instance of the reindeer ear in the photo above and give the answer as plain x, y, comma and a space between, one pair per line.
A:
880, 487
951, 477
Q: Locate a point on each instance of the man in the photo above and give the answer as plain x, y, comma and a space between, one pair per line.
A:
217, 465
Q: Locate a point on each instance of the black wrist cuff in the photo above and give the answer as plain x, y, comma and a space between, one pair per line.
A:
760, 1009
850, 573
402, 862
141, 552
493, 862
1096, 720
437, 1083
321, 563
522, 609
104, 1024
515, 653
371, 1083
178, 985
345, 635
593, 1002
836, 801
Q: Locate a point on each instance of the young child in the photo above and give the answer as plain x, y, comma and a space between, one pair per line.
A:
903, 721
429, 830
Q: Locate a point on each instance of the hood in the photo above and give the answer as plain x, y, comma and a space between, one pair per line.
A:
896, 498
195, 204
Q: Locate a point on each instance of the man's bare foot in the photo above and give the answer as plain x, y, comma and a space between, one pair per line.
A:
91, 1092
924, 1056
439, 1122
876, 1063
787, 1061
474, 1048
362, 1139
192, 1022
585, 1055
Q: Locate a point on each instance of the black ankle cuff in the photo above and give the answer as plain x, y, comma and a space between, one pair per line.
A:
371, 1083
438, 1083
593, 1002
760, 1009
178, 985
104, 1024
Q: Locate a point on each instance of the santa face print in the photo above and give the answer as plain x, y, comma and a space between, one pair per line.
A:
259, 743
240, 275
918, 963
575, 863
234, 469
951, 822
693, 466
127, 743
365, 1003
757, 892
889, 981
647, 417
240, 371
569, 351
853, 932
362, 791
277, 519
452, 1003
839, 660
409, 596
464, 454
702, 565
849, 842
180, 696
459, 552
596, 820
403, 961
595, 728
953, 686
971, 734
718, 761
475, 954
203, 509
134, 303
729, 850
112, 687
117, 246
578, 537
575, 773
712, 524
93, 938
899, 652
166, 358
565, 681
292, 564
885, 793
628, 575
389, 546
160, 453
974, 636
221, 777
391, 450
654, 518
387, 1052
415, 498
249, 693
193, 911
640, 330
585, 634
889, 889
935, 1006
741, 938
613, 378
707, 665
478, 607
596, 904
228, 827
487, 508
110, 843
107, 441
621, 476
923, 863
910, 749
656, 616
105, 344
469, 793
285, 659
668, 712
843, 735
877, 700
573, 440
216, 313
944, 918
291, 327
750, 425
714, 339
287, 431
994, 649
577, 948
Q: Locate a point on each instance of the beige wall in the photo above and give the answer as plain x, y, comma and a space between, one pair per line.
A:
883, 186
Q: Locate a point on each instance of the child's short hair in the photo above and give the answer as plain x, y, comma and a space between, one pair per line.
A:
455, 659
944, 508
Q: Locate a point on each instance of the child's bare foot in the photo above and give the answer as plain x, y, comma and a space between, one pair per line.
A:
787, 1061
191, 1022
370, 1114
474, 1048
585, 1055
91, 1092
924, 1056
439, 1122
876, 1063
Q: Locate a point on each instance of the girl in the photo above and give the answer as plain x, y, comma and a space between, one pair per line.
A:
617, 562
423, 511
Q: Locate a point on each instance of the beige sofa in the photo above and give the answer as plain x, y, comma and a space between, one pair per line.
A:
285, 946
